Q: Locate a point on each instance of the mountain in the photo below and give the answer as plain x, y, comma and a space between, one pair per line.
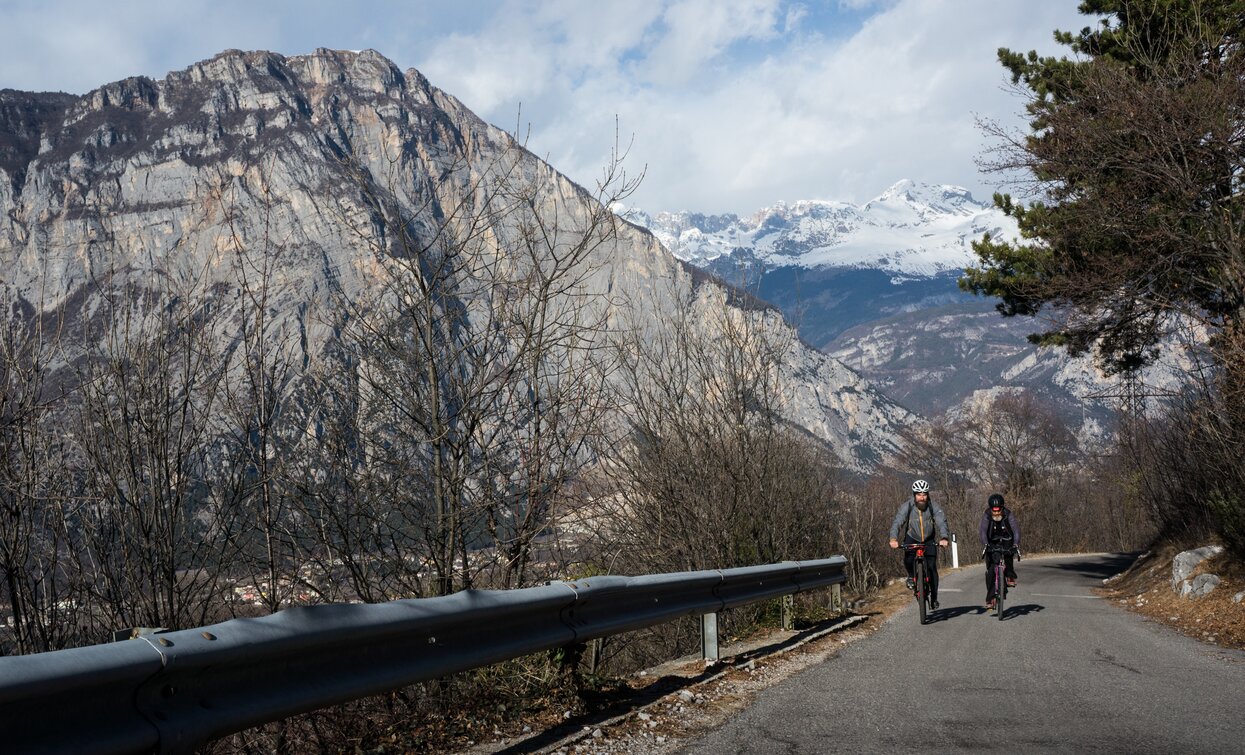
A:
874, 285
832, 265
318, 171
910, 230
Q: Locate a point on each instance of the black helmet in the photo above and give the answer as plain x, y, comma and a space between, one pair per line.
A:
996, 501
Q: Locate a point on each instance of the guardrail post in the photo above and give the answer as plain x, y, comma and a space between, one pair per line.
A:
709, 637
594, 655
955, 552
836, 599
788, 612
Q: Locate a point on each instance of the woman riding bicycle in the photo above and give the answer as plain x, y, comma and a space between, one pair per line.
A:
919, 518
999, 528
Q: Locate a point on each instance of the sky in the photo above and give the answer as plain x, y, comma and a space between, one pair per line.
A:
723, 105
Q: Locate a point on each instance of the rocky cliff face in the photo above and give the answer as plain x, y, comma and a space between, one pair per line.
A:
304, 163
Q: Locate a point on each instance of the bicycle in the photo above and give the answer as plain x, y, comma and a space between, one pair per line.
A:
1000, 572
920, 581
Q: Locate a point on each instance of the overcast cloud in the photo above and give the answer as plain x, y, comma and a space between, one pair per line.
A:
731, 105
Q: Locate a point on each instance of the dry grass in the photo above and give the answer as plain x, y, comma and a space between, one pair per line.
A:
1146, 589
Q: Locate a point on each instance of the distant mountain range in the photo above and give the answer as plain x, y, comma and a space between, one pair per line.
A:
910, 230
832, 265
875, 285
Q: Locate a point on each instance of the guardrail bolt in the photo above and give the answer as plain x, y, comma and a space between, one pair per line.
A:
209, 636
168, 691
165, 642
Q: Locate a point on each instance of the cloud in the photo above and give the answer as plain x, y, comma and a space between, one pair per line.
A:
697, 32
733, 104
744, 109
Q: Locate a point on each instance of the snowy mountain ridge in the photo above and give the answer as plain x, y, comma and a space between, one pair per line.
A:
910, 230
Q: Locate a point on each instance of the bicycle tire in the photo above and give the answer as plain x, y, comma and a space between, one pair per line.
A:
919, 579
1000, 585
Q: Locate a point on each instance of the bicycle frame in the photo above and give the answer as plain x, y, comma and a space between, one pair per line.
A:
1000, 574
921, 588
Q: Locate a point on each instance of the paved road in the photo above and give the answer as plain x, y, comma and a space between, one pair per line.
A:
1064, 671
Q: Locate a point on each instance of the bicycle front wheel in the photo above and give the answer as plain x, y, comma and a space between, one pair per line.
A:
1000, 587
921, 587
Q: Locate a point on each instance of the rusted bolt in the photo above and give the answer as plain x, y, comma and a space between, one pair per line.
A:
209, 636
166, 642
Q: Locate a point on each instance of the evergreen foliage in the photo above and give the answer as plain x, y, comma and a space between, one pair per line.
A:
1136, 155
1135, 162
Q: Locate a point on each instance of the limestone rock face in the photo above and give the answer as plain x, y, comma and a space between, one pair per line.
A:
169, 184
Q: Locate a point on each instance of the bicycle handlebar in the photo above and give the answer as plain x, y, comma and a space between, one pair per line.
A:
992, 548
915, 546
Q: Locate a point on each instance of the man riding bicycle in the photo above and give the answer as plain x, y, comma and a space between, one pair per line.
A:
920, 519
999, 528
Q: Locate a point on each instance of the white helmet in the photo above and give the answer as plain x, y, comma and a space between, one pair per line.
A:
920, 486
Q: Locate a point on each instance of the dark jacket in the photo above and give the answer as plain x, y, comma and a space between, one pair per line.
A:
921, 525
983, 529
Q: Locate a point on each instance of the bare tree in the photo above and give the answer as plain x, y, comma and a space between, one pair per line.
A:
42, 598
474, 388
149, 391
1017, 442
710, 474
260, 411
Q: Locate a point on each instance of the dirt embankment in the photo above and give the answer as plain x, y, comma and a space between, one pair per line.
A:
1146, 588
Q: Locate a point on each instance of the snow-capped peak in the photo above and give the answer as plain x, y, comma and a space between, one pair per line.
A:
942, 199
911, 229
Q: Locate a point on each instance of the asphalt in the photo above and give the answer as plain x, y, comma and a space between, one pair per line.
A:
1064, 671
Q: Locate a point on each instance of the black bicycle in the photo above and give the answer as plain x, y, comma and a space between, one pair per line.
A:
999, 553
921, 586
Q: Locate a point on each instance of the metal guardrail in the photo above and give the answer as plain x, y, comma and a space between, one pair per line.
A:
175, 691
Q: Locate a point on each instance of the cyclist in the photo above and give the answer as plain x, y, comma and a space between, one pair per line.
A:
998, 527
920, 519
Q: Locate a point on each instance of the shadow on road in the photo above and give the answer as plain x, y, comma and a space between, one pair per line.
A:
1098, 567
946, 614
1011, 612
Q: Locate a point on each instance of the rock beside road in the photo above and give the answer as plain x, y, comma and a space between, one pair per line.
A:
1184, 564
1199, 586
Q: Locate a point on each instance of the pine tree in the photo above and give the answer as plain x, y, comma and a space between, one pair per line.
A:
1135, 157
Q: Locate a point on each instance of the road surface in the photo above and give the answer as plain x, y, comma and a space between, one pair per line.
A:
1064, 671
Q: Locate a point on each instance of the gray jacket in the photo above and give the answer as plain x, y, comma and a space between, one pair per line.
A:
921, 524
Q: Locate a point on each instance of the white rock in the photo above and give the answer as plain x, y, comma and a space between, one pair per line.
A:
1238, 597
1201, 585
686, 696
597, 733
1184, 563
